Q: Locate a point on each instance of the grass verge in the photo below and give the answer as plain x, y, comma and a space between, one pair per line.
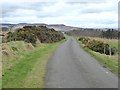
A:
29, 71
105, 60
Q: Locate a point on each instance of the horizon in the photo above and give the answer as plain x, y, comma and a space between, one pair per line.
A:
86, 14
62, 24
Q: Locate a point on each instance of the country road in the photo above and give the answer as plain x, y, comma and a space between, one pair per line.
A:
71, 67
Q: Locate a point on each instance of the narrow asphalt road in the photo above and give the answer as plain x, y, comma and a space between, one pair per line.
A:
71, 67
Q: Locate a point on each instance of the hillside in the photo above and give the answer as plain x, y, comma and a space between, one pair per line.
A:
62, 27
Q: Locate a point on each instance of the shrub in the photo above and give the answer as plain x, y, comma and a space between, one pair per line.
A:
14, 49
97, 46
31, 33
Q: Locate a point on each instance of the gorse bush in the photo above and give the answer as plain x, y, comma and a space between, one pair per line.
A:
30, 34
97, 46
84, 40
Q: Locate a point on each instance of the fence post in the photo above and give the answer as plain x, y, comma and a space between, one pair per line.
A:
104, 49
110, 50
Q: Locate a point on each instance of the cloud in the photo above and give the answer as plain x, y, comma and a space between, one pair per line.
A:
77, 13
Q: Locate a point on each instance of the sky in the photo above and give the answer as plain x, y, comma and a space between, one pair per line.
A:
79, 13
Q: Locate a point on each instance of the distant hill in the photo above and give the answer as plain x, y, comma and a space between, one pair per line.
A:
62, 27
23, 24
58, 27
7, 24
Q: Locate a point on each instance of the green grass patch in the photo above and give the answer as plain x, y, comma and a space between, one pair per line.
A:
115, 45
14, 51
29, 71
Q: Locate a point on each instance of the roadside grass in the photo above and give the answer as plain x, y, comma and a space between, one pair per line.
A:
29, 70
0, 68
105, 60
12, 51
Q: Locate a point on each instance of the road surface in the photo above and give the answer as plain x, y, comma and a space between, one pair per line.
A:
71, 67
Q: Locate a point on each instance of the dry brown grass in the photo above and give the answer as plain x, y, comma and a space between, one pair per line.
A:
29, 46
6, 52
105, 40
115, 57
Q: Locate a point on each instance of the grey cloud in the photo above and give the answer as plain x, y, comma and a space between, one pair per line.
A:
93, 11
75, 9
12, 8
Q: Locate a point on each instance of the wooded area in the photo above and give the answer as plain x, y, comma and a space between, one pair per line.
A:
109, 33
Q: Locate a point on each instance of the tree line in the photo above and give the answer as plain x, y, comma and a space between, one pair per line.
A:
109, 33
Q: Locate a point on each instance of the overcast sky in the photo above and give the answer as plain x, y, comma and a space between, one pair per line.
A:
80, 13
